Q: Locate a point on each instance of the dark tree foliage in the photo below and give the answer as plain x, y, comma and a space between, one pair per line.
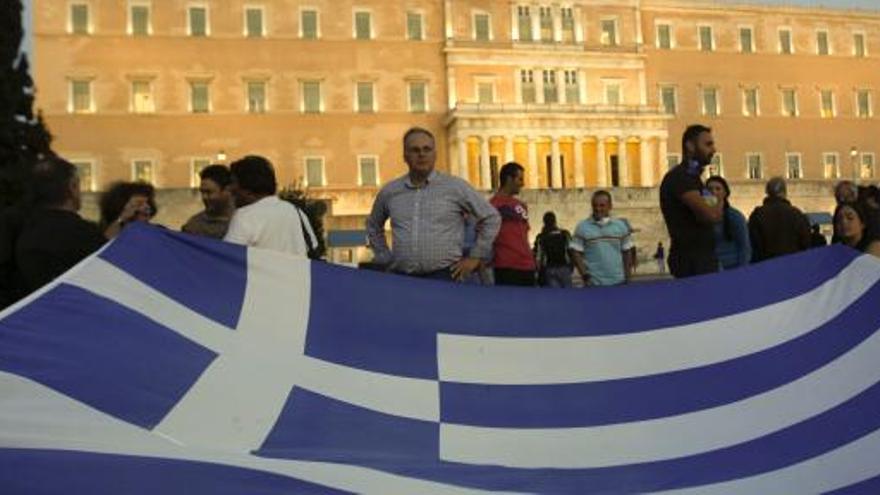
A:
314, 208
23, 137
23, 140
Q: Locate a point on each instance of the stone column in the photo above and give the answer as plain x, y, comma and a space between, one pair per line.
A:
601, 163
578, 24
452, 157
464, 170
450, 84
508, 149
447, 11
662, 151
622, 165
646, 164
514, 21
533, 163
578, 162
557, 24
556, 163
485, 170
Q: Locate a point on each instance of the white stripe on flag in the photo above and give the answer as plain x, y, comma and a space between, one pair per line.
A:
33, 416
536, 361
670, 437
237, 400
840, 468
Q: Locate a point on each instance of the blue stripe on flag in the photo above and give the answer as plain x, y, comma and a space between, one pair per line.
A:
668, 394
401, 316
868, 487
205, 275
101, 353
29, 472
314, 427
336, 432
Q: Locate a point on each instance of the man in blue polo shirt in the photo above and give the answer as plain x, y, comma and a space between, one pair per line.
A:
600, 244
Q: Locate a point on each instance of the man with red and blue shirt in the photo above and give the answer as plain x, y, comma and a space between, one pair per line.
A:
513, 261
600, 245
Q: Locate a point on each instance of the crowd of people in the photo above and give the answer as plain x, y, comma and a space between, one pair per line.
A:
441, 227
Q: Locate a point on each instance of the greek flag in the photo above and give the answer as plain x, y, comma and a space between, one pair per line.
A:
168, 364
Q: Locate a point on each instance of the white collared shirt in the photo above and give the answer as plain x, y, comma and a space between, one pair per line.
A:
271, 223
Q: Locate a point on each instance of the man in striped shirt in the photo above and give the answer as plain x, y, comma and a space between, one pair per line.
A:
427, 209
600, 244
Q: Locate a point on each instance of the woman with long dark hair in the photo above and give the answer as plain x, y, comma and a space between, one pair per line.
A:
732, 245
126, 202
851, 228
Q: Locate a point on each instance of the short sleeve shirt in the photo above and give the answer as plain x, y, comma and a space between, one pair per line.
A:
512, 244
687, 233
602, 243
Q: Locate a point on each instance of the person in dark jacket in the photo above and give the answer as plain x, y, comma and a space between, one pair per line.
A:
54, 237
777, 228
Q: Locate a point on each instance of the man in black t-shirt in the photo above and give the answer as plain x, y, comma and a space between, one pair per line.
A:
552, 254
689, 211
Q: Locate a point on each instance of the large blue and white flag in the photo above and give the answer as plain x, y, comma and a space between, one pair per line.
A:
168, 364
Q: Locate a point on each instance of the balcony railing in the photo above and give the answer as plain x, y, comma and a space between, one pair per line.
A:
562, 46
555, 108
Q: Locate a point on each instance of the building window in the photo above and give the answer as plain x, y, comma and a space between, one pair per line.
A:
368, 170
863, 103
551, 92
716, 166
196, 167
139, 20
85, 170
365, 100
527, 82
253, 22
664, 36
746, 40
311, 97
546, 21
750, 102
485, 92
79, 19
831, 164
823, 46
707, 39
567, 15
785, 44
482, 30
142, 171
524, 19
256, 96
793, 168
789, 103
669, 99
710, 102
198, 20
199, 97
867, 171
418, 97
754, 166
859, 46
572, 89
142, 97
672, 160
308, 24
414, 26
81, 97
314, 171
363, 25
826, 108
609, 32
613, 95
